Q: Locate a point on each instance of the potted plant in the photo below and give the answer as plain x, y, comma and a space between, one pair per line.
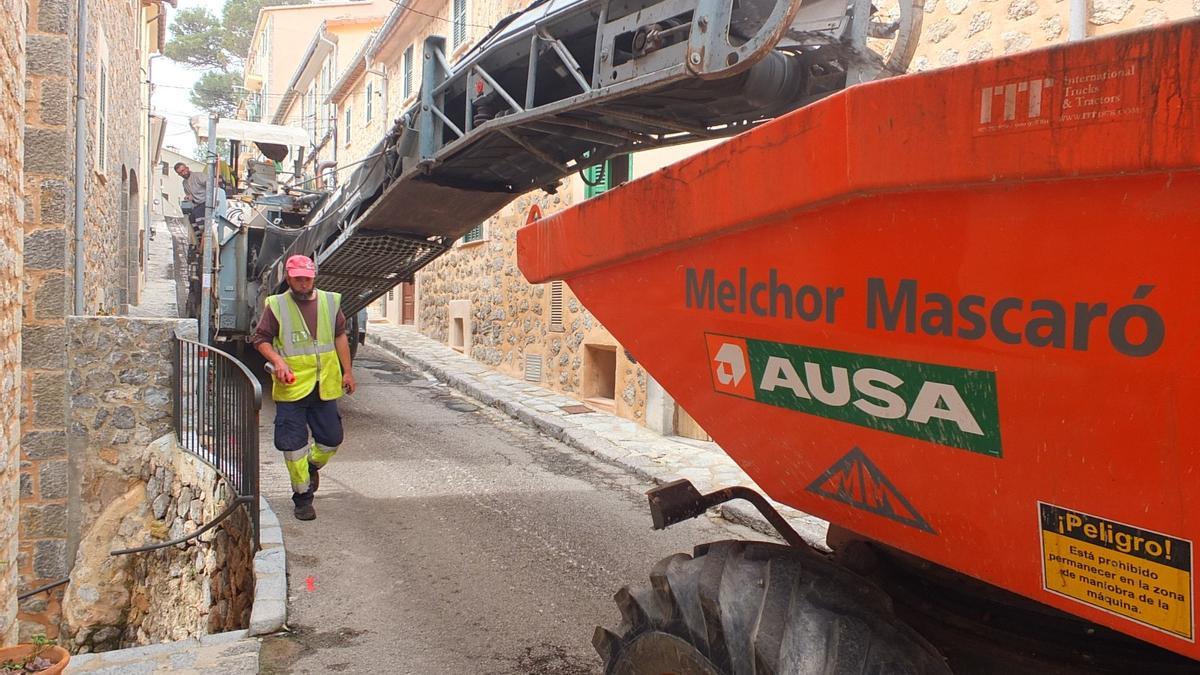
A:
41, 655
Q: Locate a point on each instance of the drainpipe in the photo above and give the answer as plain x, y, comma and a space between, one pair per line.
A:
383, 75
80, 147
1077, 20
320, 168
148, 170
210, 233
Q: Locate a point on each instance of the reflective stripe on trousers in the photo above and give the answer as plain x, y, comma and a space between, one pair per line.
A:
297, 464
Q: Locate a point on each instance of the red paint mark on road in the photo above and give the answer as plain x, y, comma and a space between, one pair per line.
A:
310, 584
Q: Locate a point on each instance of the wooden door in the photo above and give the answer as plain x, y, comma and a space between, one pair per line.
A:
687, 427
408, 305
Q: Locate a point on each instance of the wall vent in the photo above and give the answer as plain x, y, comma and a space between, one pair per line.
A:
556, 306
533, 368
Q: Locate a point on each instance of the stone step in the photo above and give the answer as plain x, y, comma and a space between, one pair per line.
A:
233, 653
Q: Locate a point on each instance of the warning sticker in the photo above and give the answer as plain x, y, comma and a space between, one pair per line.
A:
854, 480
1124, 570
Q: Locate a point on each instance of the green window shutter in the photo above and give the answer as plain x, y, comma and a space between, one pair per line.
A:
408, 71
603, 177
459, 21
597, 180
475, 234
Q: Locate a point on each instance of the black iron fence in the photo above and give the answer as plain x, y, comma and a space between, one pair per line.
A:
217, 403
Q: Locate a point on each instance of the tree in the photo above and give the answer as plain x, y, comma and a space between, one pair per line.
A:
217, 91
197, 40
217, 46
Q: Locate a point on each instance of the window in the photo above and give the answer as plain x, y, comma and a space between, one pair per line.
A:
265, 60
102, 119
254, 107
475, 234
264, 49
370, 99
327, 115
349, 117
407, 65
459, 21
603, 177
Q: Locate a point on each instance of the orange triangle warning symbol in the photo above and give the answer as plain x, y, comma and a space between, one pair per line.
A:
854, 480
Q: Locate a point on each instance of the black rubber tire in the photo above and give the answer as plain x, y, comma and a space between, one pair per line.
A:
750, 608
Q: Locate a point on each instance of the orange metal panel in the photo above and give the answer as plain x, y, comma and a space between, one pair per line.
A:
951, 311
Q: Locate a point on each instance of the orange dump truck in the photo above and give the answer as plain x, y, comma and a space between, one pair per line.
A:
954, 314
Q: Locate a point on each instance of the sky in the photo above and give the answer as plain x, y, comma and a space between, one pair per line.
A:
173, 83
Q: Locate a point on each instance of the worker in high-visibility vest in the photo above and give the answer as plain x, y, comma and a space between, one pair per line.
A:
302, 334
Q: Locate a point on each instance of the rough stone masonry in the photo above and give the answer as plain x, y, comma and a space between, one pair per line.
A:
12, 100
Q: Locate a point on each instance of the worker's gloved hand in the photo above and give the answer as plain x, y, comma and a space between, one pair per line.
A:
284, 374
348, 383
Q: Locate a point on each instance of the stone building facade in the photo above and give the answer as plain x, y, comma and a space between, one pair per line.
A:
961, 31
113, 187
12, 102
475, 298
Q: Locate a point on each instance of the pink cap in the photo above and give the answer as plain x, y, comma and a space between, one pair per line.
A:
301, 266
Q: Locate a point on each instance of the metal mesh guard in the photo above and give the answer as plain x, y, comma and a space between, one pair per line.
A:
368, 265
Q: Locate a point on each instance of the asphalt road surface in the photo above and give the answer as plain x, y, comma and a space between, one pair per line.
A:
452, 539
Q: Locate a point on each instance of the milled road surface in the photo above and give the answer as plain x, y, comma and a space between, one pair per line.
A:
452, 539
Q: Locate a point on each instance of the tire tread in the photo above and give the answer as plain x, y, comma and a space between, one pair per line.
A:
754, 608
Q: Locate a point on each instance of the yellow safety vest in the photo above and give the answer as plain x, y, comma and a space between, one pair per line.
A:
313, 361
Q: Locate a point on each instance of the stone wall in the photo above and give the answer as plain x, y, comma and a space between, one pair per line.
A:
49, 145
12, 100
510, 317
961, 31
129, 489
121, 400
48, 255
202, 586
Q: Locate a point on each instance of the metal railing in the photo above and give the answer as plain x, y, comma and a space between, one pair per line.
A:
217, 404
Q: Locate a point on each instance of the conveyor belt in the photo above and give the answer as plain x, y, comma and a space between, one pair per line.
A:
562, 86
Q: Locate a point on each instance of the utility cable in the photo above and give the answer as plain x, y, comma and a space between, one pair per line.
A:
410, 8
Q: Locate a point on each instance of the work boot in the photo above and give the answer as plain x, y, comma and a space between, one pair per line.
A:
314, 477
304, 506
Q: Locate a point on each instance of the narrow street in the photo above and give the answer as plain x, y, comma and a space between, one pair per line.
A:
451, 539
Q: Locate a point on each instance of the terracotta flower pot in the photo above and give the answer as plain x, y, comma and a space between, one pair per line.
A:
53, 653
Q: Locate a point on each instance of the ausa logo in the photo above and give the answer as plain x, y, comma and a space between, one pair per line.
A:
854, 480
730, 365
949, 406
